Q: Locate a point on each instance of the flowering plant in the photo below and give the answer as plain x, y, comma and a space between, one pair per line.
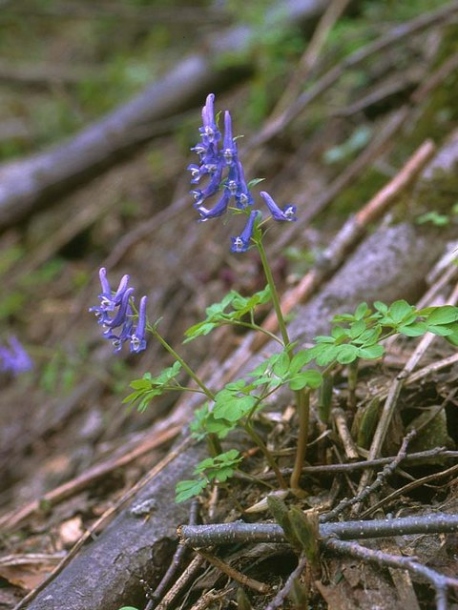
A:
220, 187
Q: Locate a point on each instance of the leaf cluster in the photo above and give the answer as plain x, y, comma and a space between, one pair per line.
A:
213, 469
353, 336
233, 309
148, 387
360, 335
238, 401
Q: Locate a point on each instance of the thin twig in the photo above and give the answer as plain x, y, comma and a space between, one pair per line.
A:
431, 478
380, 480
411, 458
231, 572
393, 395
175, 564
398, 33
210, 597
202, 536
189, 574
440, 582
349, 445
279, 599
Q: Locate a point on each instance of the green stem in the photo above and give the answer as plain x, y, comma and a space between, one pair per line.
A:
208, 393
274, 296
260, 443
214, 446
302, 396
303, 409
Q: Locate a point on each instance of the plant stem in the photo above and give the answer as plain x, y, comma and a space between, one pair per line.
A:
303, 410
208, 393
213, 444
260, 443
274, 296
302, 396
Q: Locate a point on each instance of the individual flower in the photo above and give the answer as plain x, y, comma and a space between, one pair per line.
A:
229, 144
223, 171
117, 316
241, 243
137, 336
287, 214
13, 358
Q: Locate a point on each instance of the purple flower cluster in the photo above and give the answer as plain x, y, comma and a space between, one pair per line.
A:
116, 314
220, 166
13, 358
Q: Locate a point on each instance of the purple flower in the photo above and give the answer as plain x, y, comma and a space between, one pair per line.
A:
116, 314
123, 313
218, 210
209, 130
243, 196
241, 243
288, 213
109, 300
137, 336
220, 166
14, 359
229, 145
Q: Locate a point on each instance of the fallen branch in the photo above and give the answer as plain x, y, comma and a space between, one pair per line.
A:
440, 582
238, 532
30, 184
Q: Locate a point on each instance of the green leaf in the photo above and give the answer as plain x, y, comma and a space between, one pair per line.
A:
443, 315
400, 310
221, 467
232, 407
280, 512
381, 307
357, 329
185, 490
439, 220
441, 330
306, 531
453, 337
347, 353
299, 361
371, 352
324, 354
282, 364
231, 309
362, 311
416, 329
310, 379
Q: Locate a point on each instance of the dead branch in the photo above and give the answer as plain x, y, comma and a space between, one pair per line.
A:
440, 582
400, 32
231, 533
30, 184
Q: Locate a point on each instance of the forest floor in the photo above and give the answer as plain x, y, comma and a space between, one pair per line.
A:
70, 449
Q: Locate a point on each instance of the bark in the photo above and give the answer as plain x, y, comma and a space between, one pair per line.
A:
136, 545
28, 185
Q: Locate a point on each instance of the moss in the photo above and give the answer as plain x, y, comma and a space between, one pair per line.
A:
438, 194
351, 199
440, 111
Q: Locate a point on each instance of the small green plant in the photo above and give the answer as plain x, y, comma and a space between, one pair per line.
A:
353, 337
